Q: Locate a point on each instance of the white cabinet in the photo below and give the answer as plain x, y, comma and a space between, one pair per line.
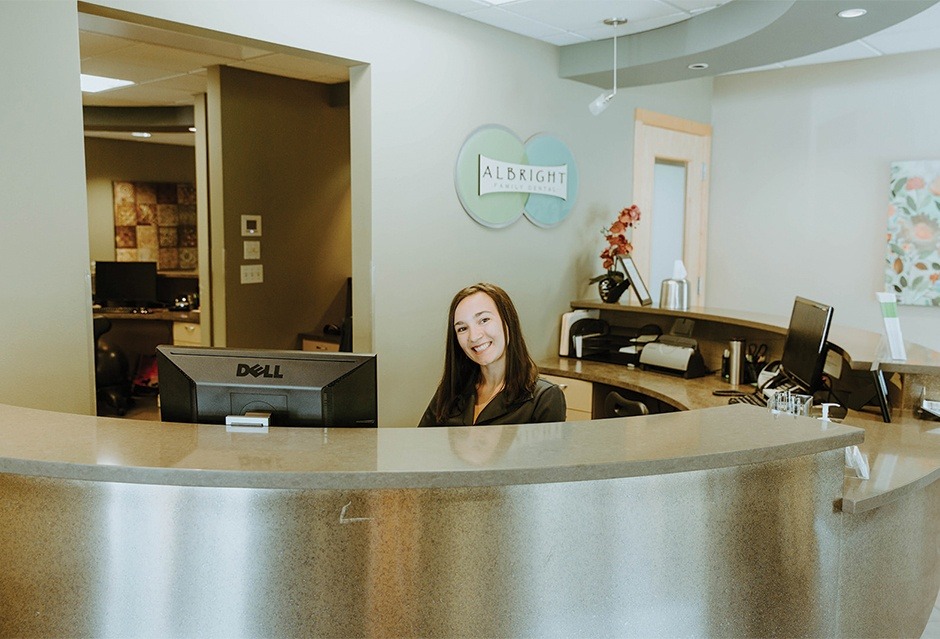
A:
578, 394
187, 334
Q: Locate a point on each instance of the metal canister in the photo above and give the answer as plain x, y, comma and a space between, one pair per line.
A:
674, 295
735, 360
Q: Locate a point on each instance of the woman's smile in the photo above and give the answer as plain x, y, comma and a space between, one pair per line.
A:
481, 347
479, 329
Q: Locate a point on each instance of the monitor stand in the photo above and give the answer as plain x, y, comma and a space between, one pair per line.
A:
250, 422
881, 392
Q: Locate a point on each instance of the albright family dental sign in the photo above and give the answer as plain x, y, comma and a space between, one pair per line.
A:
504, 177
500, 178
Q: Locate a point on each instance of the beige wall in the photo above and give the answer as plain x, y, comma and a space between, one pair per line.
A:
45, 292
284, 156
431, 79
109, 160
801, 163
800, 160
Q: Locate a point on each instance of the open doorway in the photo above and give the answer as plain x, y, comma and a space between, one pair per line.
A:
262, 132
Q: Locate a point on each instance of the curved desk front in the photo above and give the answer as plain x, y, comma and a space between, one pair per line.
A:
716, 522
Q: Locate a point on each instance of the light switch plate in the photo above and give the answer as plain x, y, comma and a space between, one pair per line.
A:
252, 249
252, 273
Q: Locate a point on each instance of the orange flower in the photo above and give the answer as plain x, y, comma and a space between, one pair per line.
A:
630, 215
617, 243
915, 183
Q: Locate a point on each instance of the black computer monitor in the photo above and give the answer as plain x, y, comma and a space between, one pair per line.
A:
298, 388
804, 351
126, 283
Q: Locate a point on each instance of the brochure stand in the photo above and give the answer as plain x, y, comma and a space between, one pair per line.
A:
889, 311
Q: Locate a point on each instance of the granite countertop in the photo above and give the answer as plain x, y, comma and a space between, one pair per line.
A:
904, 455
44, 443
684, 394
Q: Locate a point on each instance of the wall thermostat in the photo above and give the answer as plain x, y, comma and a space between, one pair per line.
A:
251, 226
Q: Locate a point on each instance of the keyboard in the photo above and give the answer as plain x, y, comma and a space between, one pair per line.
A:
757, 399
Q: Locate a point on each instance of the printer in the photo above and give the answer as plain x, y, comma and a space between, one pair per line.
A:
674, 354
567, 321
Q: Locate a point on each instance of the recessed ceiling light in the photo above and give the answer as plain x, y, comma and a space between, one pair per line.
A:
140, 134
698, 66
96, 83
192, 129
852, 13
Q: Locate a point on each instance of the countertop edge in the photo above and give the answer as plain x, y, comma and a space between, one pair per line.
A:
856, 506
432, 478
549, 369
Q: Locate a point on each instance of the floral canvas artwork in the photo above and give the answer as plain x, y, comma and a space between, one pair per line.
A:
156, 222
912, 259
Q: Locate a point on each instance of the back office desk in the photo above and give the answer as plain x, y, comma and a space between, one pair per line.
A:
138, 334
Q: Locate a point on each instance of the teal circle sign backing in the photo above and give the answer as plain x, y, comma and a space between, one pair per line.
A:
499, 178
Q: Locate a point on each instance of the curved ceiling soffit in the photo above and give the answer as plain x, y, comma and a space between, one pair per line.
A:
742, 34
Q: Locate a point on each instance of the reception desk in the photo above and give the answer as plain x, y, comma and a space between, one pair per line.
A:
725, 521
713, 520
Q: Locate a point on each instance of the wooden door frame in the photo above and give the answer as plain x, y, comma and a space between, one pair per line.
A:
695, 244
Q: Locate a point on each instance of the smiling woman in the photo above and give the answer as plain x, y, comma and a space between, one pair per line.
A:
489, 376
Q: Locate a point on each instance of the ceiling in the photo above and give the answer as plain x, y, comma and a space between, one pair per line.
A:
169, 68
661, 38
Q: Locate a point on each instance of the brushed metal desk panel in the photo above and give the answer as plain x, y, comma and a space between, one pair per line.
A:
751, 550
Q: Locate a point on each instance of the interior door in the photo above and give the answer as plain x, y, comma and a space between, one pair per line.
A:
670, 185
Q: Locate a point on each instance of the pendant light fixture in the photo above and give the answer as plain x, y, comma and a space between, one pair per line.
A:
600, 102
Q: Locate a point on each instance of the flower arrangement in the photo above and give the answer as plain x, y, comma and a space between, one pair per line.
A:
616, 235
612, 283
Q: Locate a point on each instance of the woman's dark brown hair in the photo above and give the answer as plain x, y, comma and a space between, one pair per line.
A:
460, 371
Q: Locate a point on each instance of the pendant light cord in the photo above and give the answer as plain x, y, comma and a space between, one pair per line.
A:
615, 65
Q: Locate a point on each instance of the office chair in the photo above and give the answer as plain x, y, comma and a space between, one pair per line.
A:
616, 405
112, 385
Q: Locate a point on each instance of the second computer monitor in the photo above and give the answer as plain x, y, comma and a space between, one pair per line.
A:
126, 283
804, 352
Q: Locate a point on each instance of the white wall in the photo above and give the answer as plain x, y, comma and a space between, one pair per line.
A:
434, 78
45, 290
800, 184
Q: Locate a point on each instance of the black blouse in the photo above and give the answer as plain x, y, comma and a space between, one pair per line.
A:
545, 404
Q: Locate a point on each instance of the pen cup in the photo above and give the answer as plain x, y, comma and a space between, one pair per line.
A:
790, 403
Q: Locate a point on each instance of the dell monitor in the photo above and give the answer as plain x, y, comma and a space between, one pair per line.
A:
804, 351
297, 388
126, 283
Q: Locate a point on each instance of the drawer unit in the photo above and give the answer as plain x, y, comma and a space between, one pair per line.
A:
578, 394
308, 344
187, 334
